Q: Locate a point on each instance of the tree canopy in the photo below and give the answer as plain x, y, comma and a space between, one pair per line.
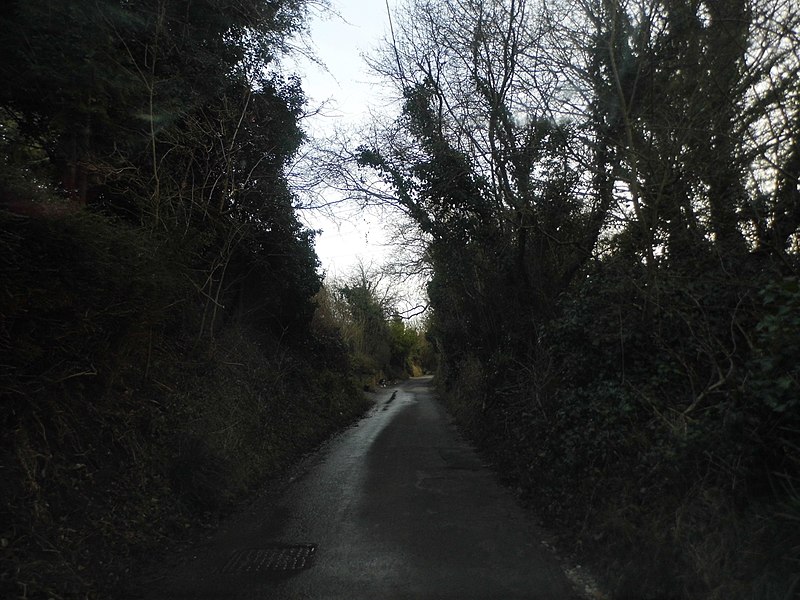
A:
608, 190
158, 291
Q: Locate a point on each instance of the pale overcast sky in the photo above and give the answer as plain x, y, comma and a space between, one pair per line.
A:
341, 43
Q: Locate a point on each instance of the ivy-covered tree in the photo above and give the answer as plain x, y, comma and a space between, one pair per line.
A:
608, 194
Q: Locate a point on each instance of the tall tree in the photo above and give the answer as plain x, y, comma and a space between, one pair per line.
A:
490, 166
173, 115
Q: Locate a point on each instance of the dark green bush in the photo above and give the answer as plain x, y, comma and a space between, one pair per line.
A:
121, 428
655, 420
775, 371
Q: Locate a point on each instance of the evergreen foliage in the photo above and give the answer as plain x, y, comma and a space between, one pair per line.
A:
159, 355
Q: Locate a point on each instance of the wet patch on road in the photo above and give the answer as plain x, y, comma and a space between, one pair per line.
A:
443, 485
461, 459
275, 558
390, 400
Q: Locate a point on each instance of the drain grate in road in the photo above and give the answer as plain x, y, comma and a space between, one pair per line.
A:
279, 558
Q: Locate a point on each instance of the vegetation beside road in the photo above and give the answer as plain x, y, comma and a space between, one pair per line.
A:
164, 349
608, 201
123, 433
605, 196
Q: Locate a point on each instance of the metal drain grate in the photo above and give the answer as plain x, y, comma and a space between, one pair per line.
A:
273, 559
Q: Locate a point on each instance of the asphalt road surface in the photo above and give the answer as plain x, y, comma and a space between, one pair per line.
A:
398, 506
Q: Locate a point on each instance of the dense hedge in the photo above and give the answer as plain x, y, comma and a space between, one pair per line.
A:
656, 427
121, 430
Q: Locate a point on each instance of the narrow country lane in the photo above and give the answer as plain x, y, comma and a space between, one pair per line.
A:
398, 506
